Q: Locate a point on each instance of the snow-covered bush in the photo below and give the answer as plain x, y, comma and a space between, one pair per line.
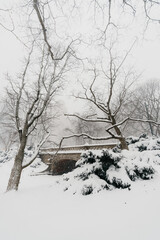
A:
145, 172
118, 178
97, 164
110, 169
92, 173
133, 139
139, 165
143, 143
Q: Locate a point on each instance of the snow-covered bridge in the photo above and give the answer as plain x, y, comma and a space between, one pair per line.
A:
63, 160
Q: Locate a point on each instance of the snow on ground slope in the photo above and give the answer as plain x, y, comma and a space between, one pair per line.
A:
40, 210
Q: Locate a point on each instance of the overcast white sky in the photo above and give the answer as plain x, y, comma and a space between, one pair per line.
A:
145, 55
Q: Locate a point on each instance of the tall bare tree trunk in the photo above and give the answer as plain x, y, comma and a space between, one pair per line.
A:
123, 143
118, 131
15, 175
16, 171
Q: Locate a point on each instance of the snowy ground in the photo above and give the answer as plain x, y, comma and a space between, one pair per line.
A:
40, 210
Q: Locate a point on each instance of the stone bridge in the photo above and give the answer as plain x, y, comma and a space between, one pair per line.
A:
63, 160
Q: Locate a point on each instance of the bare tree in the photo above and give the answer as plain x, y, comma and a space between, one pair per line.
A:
27, 101
106, 10
148, 9
146, 102
110, 100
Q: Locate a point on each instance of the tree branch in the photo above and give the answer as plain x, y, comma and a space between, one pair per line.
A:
87, 136
88, 120
132, 119
31, 160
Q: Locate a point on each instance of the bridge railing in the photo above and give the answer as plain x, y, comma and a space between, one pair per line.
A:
79, 148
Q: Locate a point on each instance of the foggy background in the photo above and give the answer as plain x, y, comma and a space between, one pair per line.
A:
144, 57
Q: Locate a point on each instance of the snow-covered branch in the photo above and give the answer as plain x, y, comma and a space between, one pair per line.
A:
33, 157
132, 119
98, 120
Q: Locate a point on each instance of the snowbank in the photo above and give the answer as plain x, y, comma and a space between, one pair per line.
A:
41, 210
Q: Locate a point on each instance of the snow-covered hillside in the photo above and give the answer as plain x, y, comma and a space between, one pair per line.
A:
42, 210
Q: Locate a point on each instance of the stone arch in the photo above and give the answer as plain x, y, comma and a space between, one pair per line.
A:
63, 166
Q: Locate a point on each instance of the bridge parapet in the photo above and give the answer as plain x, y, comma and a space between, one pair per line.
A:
70, 154
80, 148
